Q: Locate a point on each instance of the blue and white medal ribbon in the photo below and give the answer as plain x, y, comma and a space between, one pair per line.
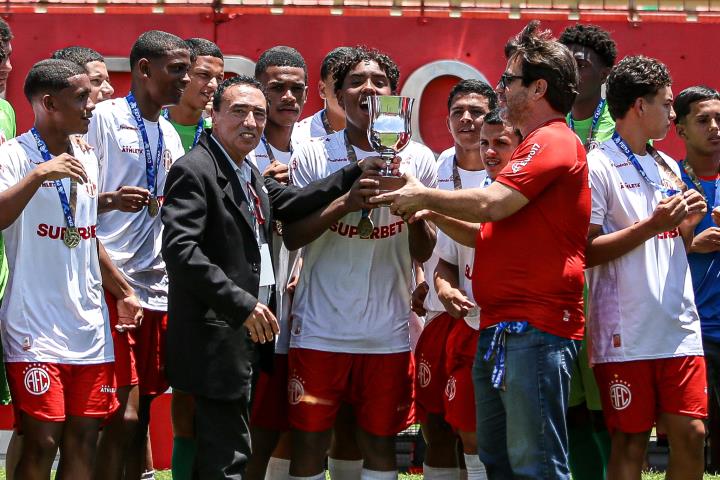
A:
198, 128
668, 192
594, 125
71, 238
151, 165
497, 349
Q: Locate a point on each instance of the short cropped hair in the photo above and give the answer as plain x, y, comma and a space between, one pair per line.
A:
685, 99
593, 37
542, 57
80, 55
50, 76
632, 78
363, 54
201, 47
471, 85
329, 63
155, 44
231, 82
495, 117
279, 56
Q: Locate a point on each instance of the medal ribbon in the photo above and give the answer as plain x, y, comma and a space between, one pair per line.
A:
268, 149
151, 167
198, 129
698, 186
658, 160
457, 180
353, 158
595, 121
326, 122
67, 206
497, 350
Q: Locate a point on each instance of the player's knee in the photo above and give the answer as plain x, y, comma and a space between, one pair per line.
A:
38, 447
692, 438
630, 447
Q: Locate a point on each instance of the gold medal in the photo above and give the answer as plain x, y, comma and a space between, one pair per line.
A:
71, 239
365, 228
153, 207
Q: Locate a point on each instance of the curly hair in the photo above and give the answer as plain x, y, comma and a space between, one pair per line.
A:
361, 54
592, 37
331, 59
280, 56
542, 57
632, 78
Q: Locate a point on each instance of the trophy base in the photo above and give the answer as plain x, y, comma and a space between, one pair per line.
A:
390, 184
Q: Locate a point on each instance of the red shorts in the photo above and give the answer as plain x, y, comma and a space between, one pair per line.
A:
50, 392
430, 372
459, 393
634, 393
140, 353
377, 386
269, 405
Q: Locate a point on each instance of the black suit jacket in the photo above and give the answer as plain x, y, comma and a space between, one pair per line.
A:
213, 264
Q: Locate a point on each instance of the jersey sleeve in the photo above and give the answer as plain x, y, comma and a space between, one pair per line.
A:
96, 139
535, 165
446, 248
303, 165
9, 171
427, 168
599, 187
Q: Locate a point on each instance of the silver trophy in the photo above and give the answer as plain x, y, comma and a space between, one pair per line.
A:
389, 133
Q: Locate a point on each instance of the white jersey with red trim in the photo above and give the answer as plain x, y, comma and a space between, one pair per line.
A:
641, 304
52, 310
133, 240
286, 264
468, 179
309, 127
354, 294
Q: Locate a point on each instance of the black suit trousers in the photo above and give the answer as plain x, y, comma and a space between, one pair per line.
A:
223, 438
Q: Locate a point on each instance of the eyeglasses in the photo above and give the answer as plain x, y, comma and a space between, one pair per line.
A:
506, 79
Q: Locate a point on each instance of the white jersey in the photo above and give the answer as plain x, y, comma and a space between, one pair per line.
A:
641, 305
449, 250
52, 310
309, 127
286, 264
354, 294
133, 240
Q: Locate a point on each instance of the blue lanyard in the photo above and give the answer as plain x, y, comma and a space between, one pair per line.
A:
67, 211
151, 167
690, 172
668, 192
198, 128
595, 121
497, 349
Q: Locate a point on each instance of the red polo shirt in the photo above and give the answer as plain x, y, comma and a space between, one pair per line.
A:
529, 266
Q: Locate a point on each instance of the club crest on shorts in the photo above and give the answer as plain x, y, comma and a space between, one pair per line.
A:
37, 379
620, 394
451, 388
423, 373
296, 391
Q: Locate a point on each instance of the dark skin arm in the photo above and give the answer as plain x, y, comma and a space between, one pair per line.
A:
130, 312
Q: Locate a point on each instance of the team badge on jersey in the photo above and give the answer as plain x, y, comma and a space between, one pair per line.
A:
423, 373
620, 394
167, 160
36, 379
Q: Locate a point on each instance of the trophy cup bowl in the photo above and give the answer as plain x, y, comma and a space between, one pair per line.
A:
389, 133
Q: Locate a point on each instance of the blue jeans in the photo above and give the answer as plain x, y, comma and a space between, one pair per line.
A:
521, 431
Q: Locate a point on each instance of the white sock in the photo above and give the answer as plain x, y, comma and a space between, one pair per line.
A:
435, 473
376, 475
344, 469
148, 475
319, 476
277, 469
475, 468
